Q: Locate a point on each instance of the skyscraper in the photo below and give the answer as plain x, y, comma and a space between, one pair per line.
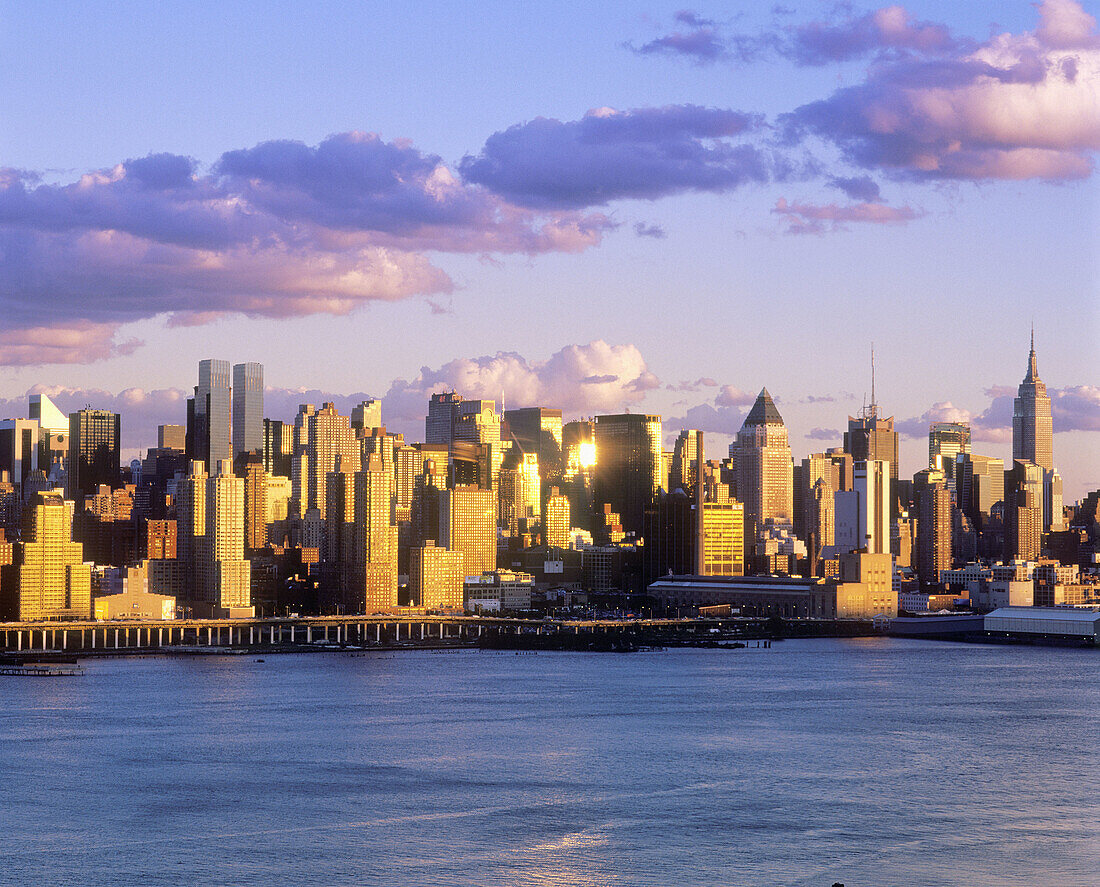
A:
209, 416
47, 578
946, 440
762, 468
94, 437
248, 407
979, 485
467, 523
934, 525
1023, 510
436, 576
375, 554
539, 430
1032, 429
870, 437
628, 469
872, 483
320, 438
210, 540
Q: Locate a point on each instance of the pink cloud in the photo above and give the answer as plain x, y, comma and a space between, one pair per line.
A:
808, 218
75, 342
279, 230
1019, 106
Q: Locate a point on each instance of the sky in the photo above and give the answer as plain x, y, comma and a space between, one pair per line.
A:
598, 207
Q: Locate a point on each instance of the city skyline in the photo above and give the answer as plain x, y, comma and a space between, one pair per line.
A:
540, 242
989, 438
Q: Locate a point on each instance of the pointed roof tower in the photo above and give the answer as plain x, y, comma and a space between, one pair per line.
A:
763, 412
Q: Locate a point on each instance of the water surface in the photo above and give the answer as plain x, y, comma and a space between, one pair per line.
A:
870, 762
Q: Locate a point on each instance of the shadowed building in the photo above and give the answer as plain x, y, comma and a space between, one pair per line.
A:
628, 469
94, 440
248, 408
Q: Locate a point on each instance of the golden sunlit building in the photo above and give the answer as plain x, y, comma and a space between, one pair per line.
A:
556, 524
723, 539
375, 553
47, 578
436, 577
467, 523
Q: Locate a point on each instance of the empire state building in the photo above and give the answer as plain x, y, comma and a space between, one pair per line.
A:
1032, 433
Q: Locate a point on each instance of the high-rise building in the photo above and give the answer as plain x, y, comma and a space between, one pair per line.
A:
278, 447
628, 469
820, 521
946, 440
436, 577
723, 539
763, 472
1053, 514
367, 414
47, 578
172, 437
1023, 511
1032, 429
248, 408
375, 556
979, 485
872, 484
519, 493
870, 437
439, 425
94, 440
53, 434
556, 520
538, 430
451, 419
250, 468
467, 523
320, 438
934, 525
210, 540
685, 469
209, 416
18, 448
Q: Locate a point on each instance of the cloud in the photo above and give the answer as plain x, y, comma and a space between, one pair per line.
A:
824, 434
862, 188
1076, 408
705, 382
724, 415
1073, 408
701, 43
645, 230
706, 417
808, 218
1019, 106
579, 379
612, 155
281, 229
74, 342
141, 410
731, 396
889, 29
888, 32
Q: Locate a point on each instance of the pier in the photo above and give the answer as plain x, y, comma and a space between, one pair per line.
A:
376, 631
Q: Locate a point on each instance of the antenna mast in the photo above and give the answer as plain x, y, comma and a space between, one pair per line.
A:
873, 403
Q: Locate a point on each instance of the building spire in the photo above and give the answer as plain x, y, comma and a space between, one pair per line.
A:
1032, 363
